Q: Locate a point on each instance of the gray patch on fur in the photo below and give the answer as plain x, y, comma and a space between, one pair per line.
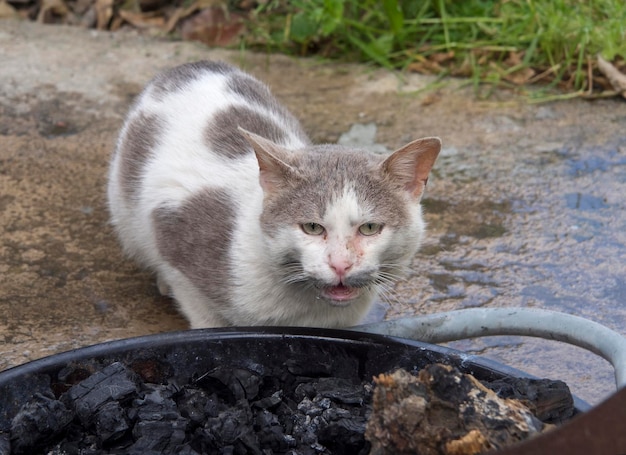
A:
196, 237
142, 135
179, 77
222, 136
326, 171
255, 92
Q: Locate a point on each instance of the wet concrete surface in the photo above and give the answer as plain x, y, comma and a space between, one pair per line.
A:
525, 206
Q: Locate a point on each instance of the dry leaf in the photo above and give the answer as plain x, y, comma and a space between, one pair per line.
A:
209, 3
180, 14
515, 58
116, 23
104, 12
430, 98
50, 8
7, 11
521, 76
441, 57
143, 20
616, 78
425, 67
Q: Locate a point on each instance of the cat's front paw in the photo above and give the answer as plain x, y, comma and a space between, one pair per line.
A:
162, 286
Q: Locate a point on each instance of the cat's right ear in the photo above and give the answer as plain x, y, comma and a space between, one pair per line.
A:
410, 165
273, 171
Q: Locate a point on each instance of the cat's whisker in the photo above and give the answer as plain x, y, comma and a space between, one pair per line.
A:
387, 295
295, 278
398, 270
292, 272
386, 278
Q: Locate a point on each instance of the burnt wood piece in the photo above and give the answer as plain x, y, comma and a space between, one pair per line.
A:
443, 412
549, 400
598, 431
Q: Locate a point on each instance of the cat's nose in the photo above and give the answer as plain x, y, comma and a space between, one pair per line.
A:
340, 266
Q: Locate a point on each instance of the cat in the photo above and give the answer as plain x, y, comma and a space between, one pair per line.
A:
215, 187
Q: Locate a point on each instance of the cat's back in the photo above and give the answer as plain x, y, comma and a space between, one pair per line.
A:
181, 137
185, 123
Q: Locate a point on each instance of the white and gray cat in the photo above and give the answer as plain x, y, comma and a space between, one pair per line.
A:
215, 187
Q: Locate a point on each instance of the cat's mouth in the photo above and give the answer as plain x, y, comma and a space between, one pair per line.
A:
340, 294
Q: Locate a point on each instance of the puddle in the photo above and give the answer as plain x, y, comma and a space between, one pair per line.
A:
593, 163
581, 201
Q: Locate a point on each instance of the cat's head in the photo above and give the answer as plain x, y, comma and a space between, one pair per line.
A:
342, 222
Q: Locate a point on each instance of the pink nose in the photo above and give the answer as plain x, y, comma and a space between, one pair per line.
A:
340, 266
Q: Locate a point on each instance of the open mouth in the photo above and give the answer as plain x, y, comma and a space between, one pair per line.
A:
340, 294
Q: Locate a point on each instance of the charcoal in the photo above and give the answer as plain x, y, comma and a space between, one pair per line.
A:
341, 390
310, 408
305, 429
150, 370
72, 374
67, 377
271, 434
550, 401
304, 367
214, 406
234, 428
114, 382
240, 382
186, 450
270, 402
335, 413
228, 410
38, 422
305, 389
337, 429
160, 427
157, 403
344, 435
84, 447
158, 436
111, 422
193, 405
5, 444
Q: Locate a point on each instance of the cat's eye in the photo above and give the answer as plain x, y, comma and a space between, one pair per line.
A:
313, 228
370, 228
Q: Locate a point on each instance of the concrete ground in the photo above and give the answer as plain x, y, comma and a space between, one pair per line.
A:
525, 207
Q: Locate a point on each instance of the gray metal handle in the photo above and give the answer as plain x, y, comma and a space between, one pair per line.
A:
479, 322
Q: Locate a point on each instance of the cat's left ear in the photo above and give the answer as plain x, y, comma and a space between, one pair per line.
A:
274, 172
410, 165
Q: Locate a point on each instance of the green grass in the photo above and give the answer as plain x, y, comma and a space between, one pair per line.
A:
506, 42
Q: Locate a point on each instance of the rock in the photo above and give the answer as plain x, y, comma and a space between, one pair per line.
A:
363, 136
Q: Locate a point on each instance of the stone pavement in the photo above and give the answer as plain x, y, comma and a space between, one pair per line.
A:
525, 207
